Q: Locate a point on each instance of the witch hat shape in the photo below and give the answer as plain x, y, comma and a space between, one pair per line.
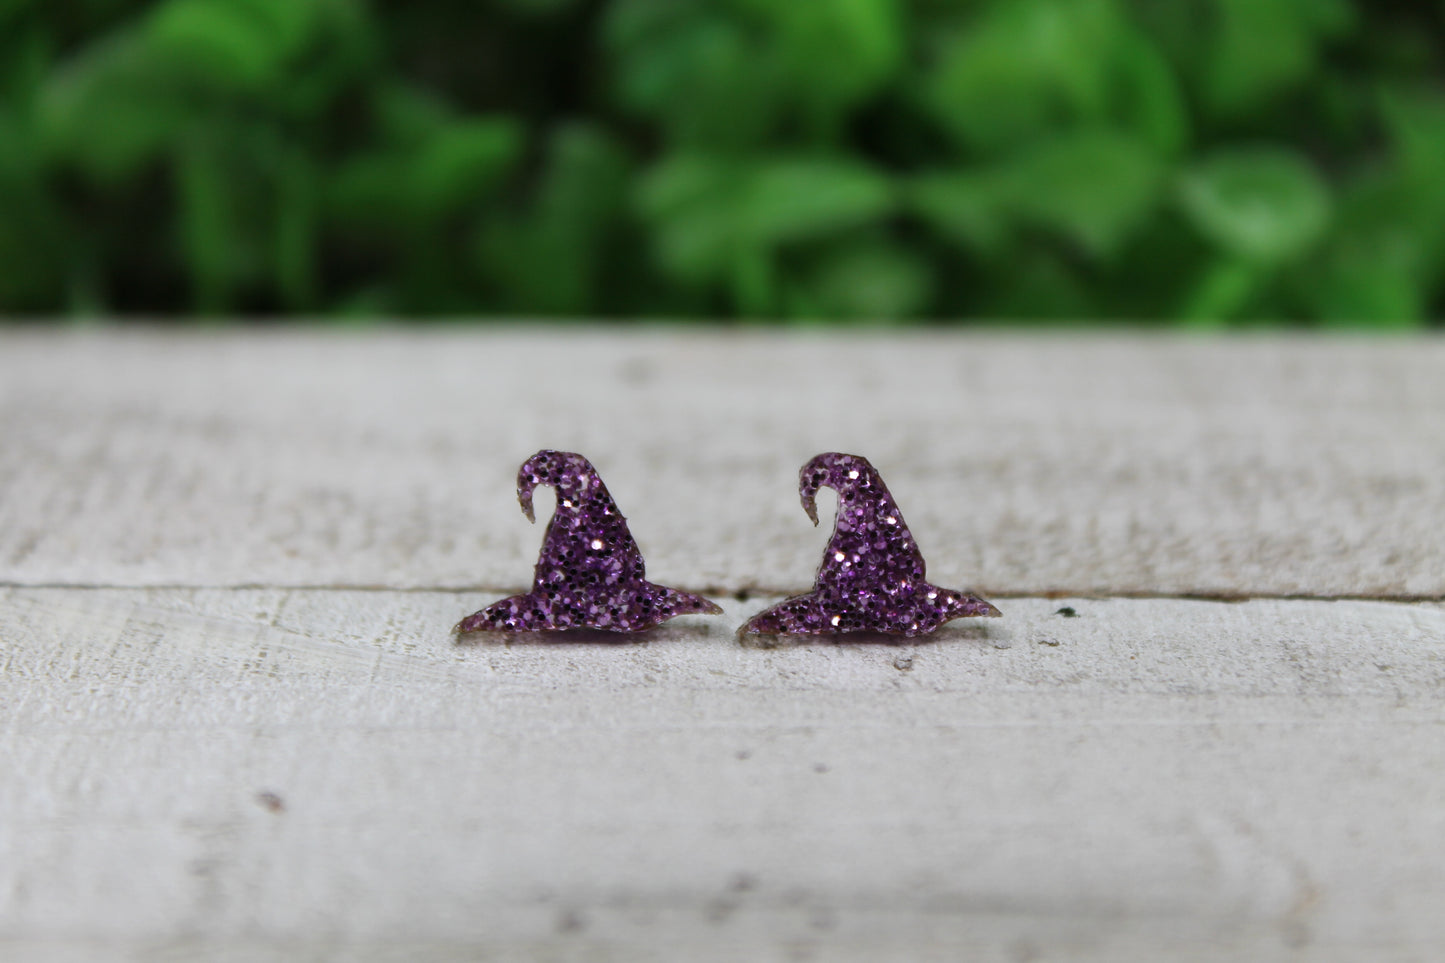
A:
590, 573
872, 576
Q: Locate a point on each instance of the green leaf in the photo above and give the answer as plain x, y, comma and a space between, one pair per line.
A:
407, 115
1038, 285
250, 47
290, 25
1038, 69
31, 232
874, 280
965, 206
1264, 47
463, 161
1386, 255
689, 202
396, 191
1152, 101
724, 221
218, 41
1094, 188
106, 114
833, 53
550, 259
1416, 121
1265, 205
1025, 66
296, 226
1222, 291
698, 73
787, 200
1379, 289
708, 210
209, 226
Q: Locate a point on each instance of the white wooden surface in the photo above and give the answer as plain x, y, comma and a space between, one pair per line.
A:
1025, 465
233, 725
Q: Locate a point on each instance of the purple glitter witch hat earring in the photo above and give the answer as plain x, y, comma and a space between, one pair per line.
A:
590, 573
872, 576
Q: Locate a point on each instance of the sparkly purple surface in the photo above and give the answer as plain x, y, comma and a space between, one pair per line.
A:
590, 573
872, 576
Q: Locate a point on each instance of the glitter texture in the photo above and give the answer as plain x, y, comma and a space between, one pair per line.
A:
590, 573
872, 576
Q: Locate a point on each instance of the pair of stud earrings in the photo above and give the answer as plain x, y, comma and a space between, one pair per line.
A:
590, 573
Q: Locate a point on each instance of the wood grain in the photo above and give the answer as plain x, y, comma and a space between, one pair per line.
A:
234, 727
308, 774
1085, 465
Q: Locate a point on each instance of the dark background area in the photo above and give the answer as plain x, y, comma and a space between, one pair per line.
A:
1183, 161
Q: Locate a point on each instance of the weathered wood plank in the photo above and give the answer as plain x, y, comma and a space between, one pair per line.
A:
321, 774
1263, 778
1116, 464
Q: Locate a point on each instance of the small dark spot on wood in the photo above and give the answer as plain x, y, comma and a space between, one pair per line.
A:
636, 371
823, 919
718, 910
743, 883
1067, 612
904, 663
819, 767
1296, 934
571, 921
271, 802
744, 754
742, 595
1023, 952
204, 867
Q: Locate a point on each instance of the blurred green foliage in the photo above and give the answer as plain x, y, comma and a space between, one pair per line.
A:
1203, 161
